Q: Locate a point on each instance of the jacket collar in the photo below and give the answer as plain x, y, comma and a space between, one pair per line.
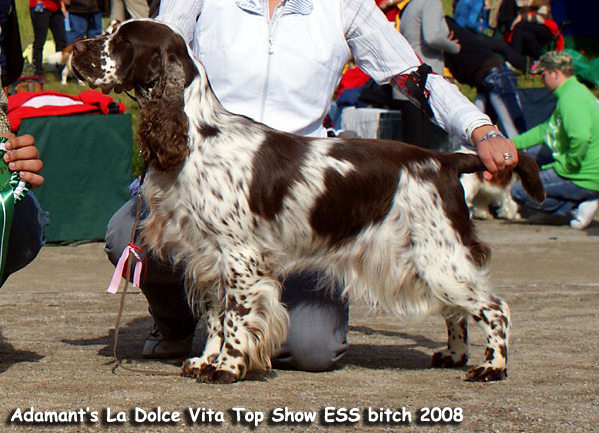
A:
303, 7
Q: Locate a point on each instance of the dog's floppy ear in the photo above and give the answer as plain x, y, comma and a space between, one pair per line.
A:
154, 77
164, 77
163, 133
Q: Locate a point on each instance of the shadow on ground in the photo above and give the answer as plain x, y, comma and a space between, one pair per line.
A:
11, 356
131, 338
371, 356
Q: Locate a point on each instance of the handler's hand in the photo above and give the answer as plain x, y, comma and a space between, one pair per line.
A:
492, 151
24, 158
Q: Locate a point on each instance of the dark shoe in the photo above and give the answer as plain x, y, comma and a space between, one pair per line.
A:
156, 346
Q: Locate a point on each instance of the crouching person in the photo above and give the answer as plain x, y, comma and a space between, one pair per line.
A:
566, 146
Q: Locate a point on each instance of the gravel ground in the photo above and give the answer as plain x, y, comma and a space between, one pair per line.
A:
56, 329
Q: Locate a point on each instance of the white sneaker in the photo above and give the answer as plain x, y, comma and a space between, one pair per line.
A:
583, 216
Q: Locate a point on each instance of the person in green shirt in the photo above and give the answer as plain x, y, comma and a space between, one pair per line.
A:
566, 146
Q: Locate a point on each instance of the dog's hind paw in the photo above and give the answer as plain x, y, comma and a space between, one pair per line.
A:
486, 374
449, 359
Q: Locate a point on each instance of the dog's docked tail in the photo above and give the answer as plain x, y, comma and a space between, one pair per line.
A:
527, 169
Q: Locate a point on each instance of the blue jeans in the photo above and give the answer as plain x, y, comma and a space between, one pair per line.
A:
562, 194
89, 25
500, 90
26, 235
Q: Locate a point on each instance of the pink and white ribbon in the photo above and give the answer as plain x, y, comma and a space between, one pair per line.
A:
130, 250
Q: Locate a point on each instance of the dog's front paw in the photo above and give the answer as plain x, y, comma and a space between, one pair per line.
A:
194, 367
449, 359
215, 375
485, 373
204, 370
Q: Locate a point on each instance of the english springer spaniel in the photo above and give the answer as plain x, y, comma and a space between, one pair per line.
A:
238, 205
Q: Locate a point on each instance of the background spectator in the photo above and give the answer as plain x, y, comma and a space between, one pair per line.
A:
479, 66
122, 9
85, 19
471, 14
566, 146
11, 51
534, 28
46, 14
424, 27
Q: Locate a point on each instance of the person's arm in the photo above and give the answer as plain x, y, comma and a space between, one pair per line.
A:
181, 13
383, 53
532, 137
435, 32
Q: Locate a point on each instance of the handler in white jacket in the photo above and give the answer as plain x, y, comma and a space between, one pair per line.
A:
278, 62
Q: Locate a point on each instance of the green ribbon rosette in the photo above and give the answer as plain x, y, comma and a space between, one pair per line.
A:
12, 189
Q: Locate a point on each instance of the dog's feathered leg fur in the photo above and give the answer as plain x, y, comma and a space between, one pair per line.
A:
251, 326
456, 354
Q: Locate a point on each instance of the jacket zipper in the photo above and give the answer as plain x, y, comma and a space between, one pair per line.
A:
272, 24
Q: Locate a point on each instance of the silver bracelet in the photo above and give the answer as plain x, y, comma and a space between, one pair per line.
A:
491, 134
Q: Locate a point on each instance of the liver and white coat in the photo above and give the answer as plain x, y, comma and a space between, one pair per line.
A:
239, 205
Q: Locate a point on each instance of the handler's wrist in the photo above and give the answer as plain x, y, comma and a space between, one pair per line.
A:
491, 134
481, 131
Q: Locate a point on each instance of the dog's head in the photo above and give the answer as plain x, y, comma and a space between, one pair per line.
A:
144, 55
152, 59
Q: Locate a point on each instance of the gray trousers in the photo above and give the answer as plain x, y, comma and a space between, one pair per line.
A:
317, 335
134, 8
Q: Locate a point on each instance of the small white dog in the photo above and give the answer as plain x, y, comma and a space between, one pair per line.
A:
63, 57
66, 59
480, 194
